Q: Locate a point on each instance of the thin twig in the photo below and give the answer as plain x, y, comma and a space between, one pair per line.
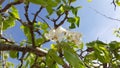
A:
44, 21
21, 59
113, 2
62, 22
58, 17
36, 14
105, 15
26, 13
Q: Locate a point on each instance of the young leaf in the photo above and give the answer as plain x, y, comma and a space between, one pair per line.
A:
73, 59
8, 23
55, 57
75, 10
14, 12
71, 56
72, 26
77, 21
118, 2
39, 41
89, 0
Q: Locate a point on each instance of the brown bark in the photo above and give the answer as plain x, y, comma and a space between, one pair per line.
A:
38, 51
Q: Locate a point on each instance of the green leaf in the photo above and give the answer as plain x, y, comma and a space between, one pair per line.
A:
81, 46
14, 11
73, 21
64, 1
52, 3
49, 61
13, 54
118, 2
39, 2
6, 56
71, 56
67, 8
114, 45
75, 10
54, 66
72, 26
89, 0
73, 59
8, 23
49, 10
72, 0
53, 54
102, 53
39, 41
92, 44
44, 26
26, 31
77, 21
9, 64
89, 57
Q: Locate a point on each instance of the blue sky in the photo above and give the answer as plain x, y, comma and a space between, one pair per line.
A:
92, 24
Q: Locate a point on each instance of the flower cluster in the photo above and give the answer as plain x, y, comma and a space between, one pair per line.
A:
61, 34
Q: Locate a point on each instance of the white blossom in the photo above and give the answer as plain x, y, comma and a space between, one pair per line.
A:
56, 34
61, 34
74, 37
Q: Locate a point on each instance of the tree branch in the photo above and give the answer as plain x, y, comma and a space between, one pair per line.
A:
32, 35
9, 5
44, 21
62, 22
21, 59
26, 13
36, 14
38, 51
113, 2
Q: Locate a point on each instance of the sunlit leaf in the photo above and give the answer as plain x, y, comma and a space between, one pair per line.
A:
14, 11
89, 57
77, 21
9, 64
75, 10
8, 23
89, 0
39, 41
118, 2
